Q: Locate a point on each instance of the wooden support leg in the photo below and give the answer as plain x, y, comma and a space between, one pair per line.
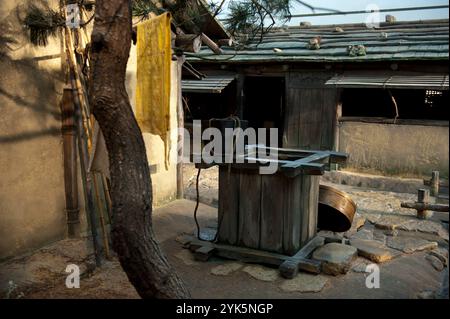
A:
204, 250
204, 253
423, 197
290, 267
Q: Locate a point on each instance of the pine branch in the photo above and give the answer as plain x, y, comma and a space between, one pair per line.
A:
42, 22
314, 9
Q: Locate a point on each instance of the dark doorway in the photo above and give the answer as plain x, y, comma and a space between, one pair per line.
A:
264, 103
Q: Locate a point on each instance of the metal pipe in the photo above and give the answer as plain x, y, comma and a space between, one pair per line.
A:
365, 11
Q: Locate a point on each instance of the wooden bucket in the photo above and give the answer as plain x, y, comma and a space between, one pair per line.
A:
336, 210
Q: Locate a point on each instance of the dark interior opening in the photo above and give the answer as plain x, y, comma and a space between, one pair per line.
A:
264, 103
412, 104
206, 106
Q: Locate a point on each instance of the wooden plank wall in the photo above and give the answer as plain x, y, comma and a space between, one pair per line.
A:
249, 228
310, 119
273, 190
228, 213
268, 212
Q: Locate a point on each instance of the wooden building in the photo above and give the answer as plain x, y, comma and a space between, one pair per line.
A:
378, 94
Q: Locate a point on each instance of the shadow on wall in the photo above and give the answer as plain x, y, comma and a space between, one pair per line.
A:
32, 198
24, 84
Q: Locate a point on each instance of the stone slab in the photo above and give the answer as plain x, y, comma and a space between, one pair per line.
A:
374, 250
305, 283
409, 245
336, 258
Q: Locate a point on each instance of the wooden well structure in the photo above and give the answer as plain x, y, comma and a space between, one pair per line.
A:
270, 218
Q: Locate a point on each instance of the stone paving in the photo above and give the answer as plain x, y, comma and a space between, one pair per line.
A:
336, 258
381, 232
412, 255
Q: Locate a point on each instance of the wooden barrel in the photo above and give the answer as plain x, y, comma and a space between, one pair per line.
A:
336, 210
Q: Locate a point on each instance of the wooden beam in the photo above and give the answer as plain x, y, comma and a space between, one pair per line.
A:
442, 184
289, 269
225, 42
189, 42
425, 206
306, 169
211, 44
252, 255
335, 157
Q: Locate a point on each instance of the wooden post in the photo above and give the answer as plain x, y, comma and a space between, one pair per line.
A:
240, 96
225, 42
423, 196
180, 137
70, 164
434, 183
338, 115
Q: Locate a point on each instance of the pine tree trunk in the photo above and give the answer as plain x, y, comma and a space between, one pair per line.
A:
133, 239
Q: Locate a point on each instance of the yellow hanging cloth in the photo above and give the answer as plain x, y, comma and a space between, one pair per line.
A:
154, 54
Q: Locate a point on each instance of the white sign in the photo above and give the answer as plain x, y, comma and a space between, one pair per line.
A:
73, 279
73, 16
373, 279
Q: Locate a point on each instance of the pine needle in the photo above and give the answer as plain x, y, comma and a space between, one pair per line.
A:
42, 23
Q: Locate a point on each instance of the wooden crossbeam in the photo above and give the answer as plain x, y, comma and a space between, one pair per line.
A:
307, 162
425, 206
336, 157
291, 266
203, 250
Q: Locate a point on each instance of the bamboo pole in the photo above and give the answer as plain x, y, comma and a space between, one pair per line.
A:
73, 65
180, 139
101, 207
107, 196
83, 144
82, 41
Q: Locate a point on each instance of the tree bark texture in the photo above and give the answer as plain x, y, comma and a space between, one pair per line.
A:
133, 239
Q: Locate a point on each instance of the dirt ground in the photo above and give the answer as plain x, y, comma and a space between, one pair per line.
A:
410, 275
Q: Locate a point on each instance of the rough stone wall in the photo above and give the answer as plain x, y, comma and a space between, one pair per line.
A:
398, 150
